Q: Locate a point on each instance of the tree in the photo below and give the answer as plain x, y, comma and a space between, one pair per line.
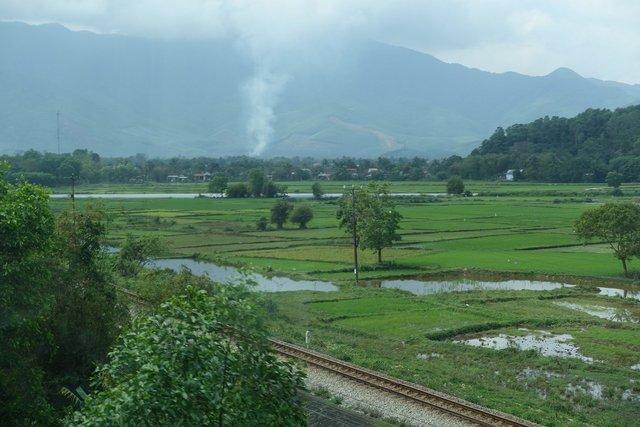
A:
617, 224
26, 250
256, 182
218, 184
350, 208
271, 189
87, 315
380, 221
301, 216
316, 190
614, 179
371, 212
455, 185
199, 360
135, 253
238, 190
280, 213
261, 224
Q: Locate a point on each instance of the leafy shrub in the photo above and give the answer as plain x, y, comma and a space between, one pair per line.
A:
301, 216
262, 223
199, 360
238, 190
455, 185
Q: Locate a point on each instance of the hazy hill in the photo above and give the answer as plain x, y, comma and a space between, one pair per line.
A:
122, 95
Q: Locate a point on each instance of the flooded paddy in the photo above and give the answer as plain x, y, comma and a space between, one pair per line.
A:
430, 287
221, 273
608, 313
617, 292
543, 342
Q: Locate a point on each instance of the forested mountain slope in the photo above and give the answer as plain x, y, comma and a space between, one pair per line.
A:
581, 148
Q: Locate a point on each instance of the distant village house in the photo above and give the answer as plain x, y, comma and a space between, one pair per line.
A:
176, 178
512, 174
201, 176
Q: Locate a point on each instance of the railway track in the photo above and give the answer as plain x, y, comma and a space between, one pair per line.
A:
442, 402
433, 399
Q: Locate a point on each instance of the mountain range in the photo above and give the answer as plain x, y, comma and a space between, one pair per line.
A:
122, 95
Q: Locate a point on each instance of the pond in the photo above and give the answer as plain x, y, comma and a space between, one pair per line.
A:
429, 287
221, 273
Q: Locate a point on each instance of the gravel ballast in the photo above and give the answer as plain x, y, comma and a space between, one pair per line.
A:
376, 402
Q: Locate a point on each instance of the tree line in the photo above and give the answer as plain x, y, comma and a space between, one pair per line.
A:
550, 149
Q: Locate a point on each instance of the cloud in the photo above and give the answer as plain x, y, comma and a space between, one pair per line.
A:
597, 38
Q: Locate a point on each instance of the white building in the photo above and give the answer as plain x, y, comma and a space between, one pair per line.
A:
176, 178
510, 175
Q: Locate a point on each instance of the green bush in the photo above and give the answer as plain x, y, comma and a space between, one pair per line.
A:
199, 360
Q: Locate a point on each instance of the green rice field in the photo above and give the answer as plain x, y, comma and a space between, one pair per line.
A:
508, 231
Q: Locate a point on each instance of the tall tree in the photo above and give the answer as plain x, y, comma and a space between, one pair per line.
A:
199, 360
350, 208
256, 182
617, 224
316, 190
87, 314
370, 215
380, 220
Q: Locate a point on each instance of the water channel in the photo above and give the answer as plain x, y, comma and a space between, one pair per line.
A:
210, 195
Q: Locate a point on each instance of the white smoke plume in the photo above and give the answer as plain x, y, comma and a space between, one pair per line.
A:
283, 38
261, 94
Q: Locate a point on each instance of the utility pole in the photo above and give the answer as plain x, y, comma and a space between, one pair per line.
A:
73, 193
354, 217
58, 129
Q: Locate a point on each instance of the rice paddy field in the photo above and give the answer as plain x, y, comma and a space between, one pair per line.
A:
564, 356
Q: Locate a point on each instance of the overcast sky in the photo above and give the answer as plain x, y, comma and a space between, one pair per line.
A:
596, 38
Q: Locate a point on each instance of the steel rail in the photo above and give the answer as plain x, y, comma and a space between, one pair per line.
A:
442, 402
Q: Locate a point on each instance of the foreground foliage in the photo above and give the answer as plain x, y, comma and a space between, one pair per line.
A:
26, 240
199, 360
59, 307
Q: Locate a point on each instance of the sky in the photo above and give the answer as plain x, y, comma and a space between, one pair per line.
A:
596, 38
